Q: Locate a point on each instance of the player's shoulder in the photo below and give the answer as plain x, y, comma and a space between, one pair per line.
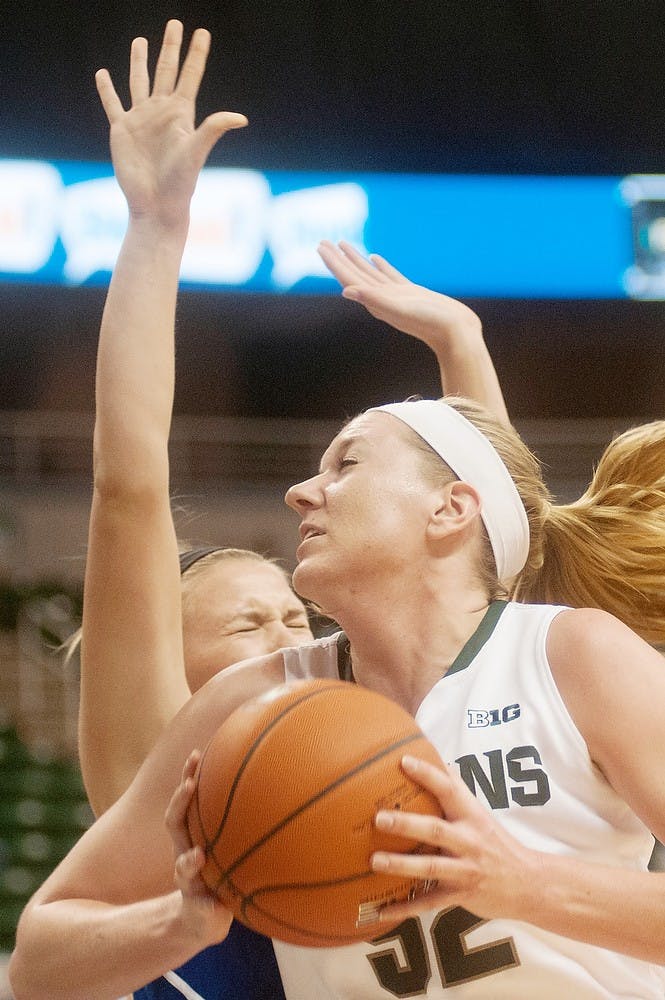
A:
327, 656
589, 630
593, 644
254, 675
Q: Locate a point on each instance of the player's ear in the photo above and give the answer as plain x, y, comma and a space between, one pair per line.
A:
457, 506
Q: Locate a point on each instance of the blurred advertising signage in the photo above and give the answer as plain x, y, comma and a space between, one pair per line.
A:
485, 236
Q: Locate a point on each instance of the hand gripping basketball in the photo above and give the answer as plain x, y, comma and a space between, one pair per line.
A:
284, 807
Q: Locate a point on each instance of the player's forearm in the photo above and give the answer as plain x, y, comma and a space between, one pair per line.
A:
466, 369
135, 360
617, 909
77, 949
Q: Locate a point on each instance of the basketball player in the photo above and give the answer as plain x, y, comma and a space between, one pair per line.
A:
132, 537
553, 717
627, 487
428, 538
235, 604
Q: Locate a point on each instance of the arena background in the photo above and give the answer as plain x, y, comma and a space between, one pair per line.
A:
510, 87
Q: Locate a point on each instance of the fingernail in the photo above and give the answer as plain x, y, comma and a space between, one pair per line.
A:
351, 293
411, 763
384, 821
380, 862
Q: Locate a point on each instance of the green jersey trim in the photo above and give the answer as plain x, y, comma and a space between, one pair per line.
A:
465, 656
475, 643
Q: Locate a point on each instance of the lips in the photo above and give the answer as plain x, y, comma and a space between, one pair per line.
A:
308, 531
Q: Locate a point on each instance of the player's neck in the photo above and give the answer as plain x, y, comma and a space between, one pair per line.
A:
403, 650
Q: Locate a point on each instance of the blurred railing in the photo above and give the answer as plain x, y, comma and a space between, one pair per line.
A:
37, 446
47, 447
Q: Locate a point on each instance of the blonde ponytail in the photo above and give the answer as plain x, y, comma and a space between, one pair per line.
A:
607, 549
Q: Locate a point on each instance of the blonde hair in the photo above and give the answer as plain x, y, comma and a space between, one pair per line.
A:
196, 569
605, 550
71, 646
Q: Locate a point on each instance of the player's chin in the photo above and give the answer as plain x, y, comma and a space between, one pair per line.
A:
317, 583
307, 579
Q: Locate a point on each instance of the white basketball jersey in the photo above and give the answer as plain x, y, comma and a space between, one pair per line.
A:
498, 717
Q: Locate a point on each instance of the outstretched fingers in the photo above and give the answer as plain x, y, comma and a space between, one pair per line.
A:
194, 65
139, 81
363, 266
107, 94
387, 269
214, 127
355, 274
168, 61
336, 262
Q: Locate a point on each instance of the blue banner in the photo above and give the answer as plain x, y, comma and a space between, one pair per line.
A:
473, 236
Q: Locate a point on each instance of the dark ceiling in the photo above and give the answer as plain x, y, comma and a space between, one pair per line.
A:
489, 87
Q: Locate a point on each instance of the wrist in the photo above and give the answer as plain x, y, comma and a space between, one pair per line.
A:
526, 891
184, 933
197, 922
163, 230
457, 341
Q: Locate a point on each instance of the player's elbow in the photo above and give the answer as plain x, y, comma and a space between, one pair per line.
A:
24, 978
31, 972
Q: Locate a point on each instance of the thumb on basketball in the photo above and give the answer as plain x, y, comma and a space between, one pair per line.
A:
175, 817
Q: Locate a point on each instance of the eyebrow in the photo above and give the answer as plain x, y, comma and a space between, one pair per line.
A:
342, 443
258, 612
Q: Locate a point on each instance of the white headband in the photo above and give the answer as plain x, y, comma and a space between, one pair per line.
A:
475, 461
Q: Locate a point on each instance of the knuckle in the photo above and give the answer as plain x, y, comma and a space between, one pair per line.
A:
432, 868
436, 829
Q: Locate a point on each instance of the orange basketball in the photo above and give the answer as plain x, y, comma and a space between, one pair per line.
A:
284, 806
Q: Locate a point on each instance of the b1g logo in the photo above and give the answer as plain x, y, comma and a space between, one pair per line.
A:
479, 718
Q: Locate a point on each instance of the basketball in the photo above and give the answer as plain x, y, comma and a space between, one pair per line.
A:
284, 805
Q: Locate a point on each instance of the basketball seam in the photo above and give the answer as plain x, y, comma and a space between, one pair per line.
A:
368, 762
283, 924
209, 845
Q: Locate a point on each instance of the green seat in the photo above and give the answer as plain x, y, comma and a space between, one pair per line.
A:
10, 911
33, 847
72, 818
20, 881
37, 781
43, 812
12, 751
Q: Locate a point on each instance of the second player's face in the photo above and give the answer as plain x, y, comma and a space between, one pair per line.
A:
236, 609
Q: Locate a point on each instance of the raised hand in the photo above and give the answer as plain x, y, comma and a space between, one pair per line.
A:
452, 330
387, 294
157, 149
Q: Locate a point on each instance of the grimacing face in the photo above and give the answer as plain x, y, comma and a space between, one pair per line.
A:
235, 609
363, 515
